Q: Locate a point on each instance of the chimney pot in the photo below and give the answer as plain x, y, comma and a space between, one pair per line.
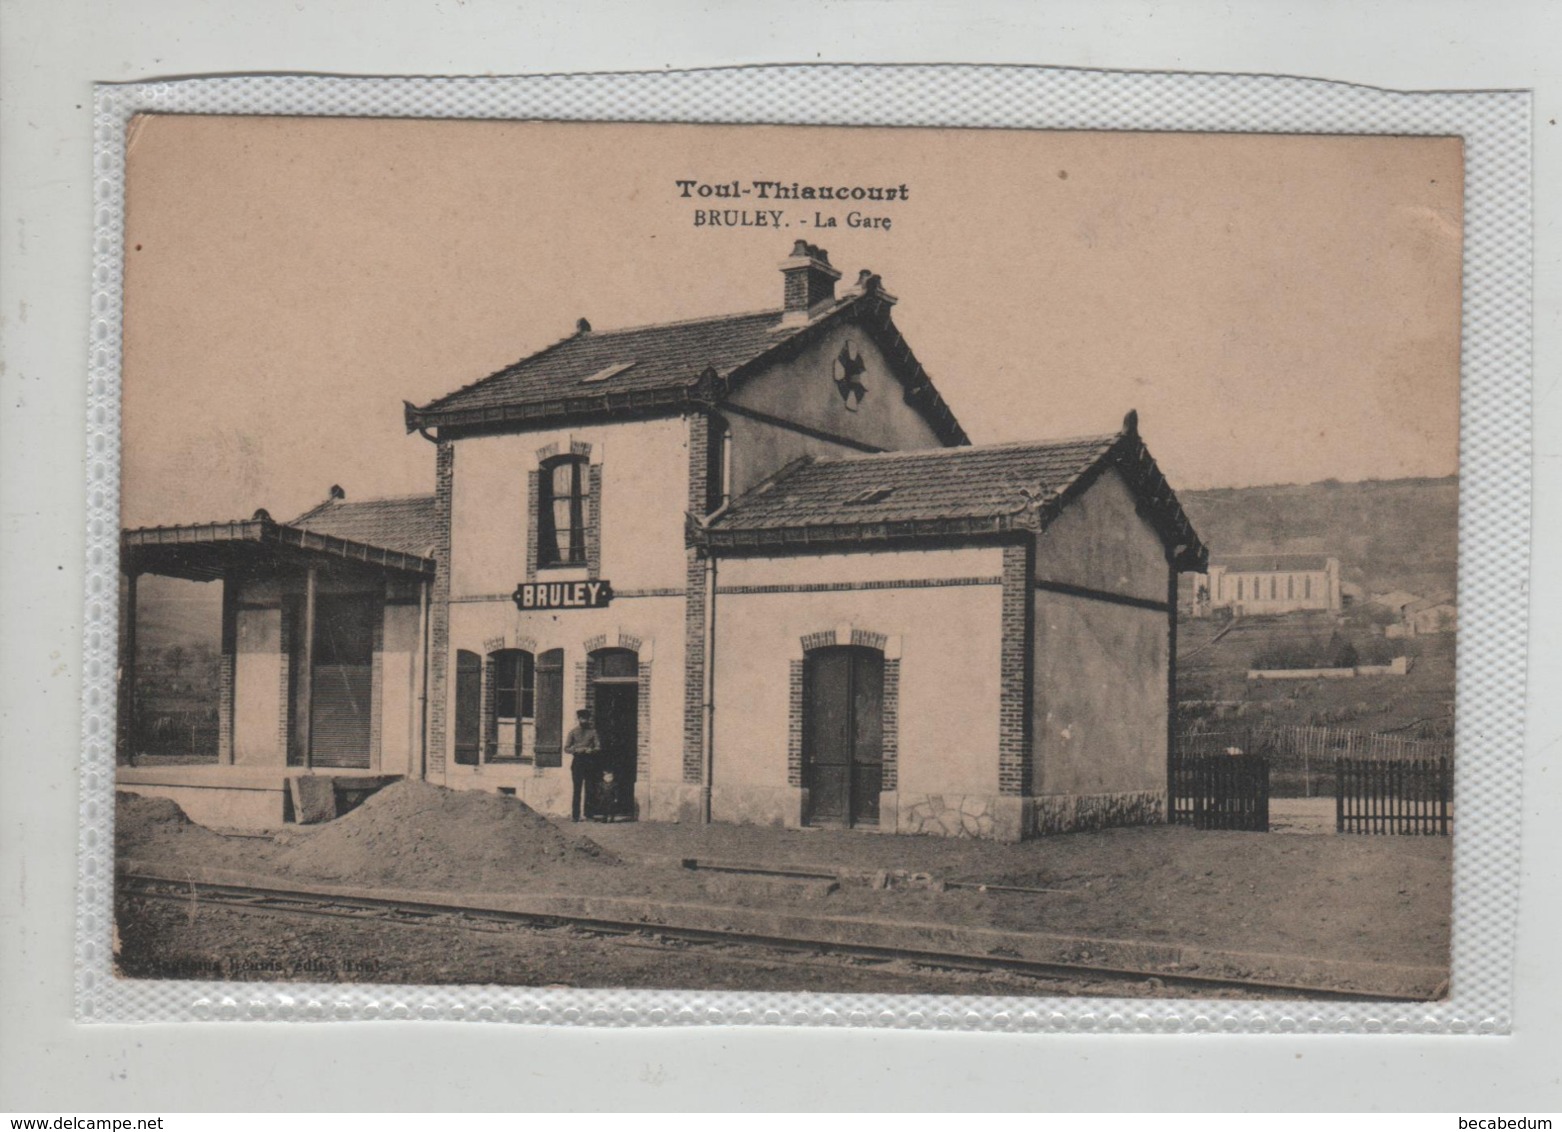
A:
582, 326
336, 492
809, 281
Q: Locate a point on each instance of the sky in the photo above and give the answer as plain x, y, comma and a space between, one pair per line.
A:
1279, 309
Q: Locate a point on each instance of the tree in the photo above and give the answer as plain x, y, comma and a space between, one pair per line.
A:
177, 659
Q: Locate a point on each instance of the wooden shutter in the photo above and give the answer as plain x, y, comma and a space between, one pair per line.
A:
469, 706
550, 708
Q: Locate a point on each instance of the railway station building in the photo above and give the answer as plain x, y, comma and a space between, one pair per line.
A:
758, 548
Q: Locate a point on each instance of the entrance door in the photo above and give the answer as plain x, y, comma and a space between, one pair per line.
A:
342, 691
616, 691
843, 734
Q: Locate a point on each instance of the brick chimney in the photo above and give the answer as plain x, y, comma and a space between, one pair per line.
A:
810, 282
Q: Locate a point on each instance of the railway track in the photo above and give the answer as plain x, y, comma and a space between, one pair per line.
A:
366, 908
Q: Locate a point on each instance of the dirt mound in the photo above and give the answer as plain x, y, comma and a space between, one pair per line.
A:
415, 835
151, 829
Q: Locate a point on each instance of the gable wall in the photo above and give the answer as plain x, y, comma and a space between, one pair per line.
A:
1100, 541
1102, 668
804, 391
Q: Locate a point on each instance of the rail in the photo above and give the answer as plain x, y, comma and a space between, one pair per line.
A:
274, 899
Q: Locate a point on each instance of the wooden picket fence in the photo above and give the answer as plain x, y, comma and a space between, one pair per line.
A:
1221, 791
1395, 795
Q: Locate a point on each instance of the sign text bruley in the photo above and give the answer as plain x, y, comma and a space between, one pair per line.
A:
593, 593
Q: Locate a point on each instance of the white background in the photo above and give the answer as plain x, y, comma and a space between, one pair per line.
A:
50, 53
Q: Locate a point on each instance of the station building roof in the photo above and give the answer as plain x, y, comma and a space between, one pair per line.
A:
944, 492
597, 374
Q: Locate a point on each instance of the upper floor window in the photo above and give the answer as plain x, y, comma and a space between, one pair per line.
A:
561, 512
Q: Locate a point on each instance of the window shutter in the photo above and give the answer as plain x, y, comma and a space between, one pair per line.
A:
550, 708
533, 524
490, 722
469, 706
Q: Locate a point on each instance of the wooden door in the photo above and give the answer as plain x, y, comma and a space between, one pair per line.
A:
618, 728
843, 734
867, 735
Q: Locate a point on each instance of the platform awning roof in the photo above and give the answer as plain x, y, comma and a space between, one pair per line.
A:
204, 552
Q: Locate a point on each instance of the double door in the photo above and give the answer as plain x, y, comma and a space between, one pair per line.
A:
843, 734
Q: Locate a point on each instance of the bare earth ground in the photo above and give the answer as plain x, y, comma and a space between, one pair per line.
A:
1378, 899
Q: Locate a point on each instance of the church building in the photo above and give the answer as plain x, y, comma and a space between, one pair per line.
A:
759, 548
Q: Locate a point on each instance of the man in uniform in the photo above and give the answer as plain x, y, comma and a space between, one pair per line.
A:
584, 748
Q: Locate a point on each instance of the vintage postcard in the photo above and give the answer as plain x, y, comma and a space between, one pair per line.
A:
971, 564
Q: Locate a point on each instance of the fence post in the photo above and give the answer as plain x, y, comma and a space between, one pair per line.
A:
1442, 795
1385, 783
1263, 795
1375, 772
1402, 800
1423, 810
1340, 788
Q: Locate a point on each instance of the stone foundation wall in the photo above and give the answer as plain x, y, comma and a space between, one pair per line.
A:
544, 789
1001, 817
668, 801
778, 806
546, 793
991, 816
1072, 813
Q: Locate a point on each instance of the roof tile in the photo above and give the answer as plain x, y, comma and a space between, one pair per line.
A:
669, 355
406, 524
937, 483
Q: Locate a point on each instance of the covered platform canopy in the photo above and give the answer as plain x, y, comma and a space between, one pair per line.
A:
204, 552
318, 544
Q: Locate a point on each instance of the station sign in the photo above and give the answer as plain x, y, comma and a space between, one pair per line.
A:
591, 593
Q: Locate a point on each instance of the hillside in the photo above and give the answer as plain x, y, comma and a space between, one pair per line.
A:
1387, 534
174, 612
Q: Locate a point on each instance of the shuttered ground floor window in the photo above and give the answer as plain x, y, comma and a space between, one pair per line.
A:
533, 687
